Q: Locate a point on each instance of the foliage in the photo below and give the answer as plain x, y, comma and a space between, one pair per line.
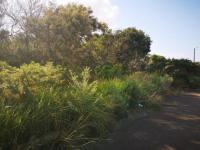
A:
46, 106
52, 33
134, 90
132, 45
151, 86
17, 82
126, 48
69, 35
108, 71
48, 113
63, 29
156, 63
184, 72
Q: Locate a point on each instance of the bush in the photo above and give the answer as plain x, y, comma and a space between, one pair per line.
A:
47, 115
48, 107
150, 86
18, 82
184, 72
109, 71
113, 91
133, 91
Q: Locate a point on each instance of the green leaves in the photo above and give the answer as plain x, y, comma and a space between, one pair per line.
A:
18, 82
44, 105
184, 72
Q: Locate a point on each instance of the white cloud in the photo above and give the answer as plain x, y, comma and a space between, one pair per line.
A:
105, 10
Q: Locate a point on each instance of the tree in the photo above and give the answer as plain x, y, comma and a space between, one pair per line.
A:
44, 33
156, 63
53, 33
19, 13
62, 31
20, 46
99, 51
132, 46
72, 36
126, 48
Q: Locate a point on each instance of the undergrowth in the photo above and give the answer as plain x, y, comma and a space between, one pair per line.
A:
49, 107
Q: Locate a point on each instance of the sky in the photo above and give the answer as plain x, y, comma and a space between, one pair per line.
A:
173, 25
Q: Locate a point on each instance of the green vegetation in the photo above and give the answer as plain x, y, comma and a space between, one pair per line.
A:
66, 79
45, 107
185, 73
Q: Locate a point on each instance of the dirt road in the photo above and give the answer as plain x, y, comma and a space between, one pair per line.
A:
176, 127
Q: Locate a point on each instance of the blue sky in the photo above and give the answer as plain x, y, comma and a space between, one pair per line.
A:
173, 25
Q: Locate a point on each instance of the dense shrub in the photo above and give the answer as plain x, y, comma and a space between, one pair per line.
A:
156, 63
38, 111
138, 89
109, 71
151, 86
43, 107
185, 73
18, 82
113, 91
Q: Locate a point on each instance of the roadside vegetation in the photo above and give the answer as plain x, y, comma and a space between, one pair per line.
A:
66, 79
185, 73
46, 106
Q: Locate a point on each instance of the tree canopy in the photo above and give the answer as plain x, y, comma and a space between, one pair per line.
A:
70, 35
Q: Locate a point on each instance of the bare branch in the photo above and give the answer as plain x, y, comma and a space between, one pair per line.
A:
20, 10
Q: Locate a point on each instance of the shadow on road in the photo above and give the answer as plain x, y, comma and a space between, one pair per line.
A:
176, 127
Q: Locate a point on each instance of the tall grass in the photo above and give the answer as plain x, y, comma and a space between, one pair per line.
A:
48, 107
151, 87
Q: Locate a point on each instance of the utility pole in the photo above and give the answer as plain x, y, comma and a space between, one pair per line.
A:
195, 53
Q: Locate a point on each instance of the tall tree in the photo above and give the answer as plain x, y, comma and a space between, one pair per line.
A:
19, 11
126, 48
18, 14
62, 30
132, 46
